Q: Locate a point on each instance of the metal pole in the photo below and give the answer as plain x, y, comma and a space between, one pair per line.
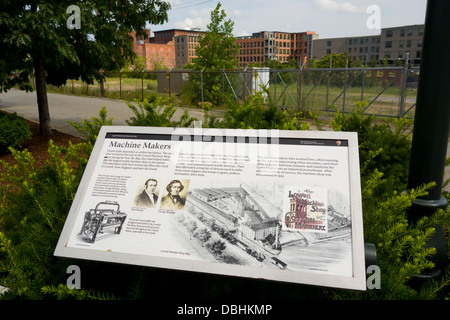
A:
328, 81
345, 86
169, 78
364, 77
403, 93
299, 87
431, 126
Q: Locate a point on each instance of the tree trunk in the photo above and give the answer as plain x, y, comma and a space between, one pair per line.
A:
41, 92
102, 89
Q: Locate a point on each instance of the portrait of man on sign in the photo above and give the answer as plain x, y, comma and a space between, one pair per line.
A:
148, 197
174, 200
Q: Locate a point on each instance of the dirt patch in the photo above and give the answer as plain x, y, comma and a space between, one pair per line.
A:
38, 146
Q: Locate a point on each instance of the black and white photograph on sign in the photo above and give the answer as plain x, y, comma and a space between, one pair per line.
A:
147, 196
282, 211
174, 198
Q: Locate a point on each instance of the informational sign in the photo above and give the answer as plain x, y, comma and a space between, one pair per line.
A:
277, 205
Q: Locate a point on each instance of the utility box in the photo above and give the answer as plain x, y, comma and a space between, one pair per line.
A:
254, 80
260, 79
171, 81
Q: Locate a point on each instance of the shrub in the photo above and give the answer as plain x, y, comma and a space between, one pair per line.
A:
14, 130
383, 146
32, 213
157, 112
253, 113
90, 129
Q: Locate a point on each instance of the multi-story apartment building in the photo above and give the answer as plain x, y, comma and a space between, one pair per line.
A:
392, 44
274, 45
396, 42
365, 48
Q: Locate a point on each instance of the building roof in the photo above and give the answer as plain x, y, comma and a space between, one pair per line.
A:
184, 30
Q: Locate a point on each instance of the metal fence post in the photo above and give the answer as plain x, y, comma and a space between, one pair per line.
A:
142, 84
328, 82
403, 93
345, 86
299, 87
168, 77
275, 74
364, 77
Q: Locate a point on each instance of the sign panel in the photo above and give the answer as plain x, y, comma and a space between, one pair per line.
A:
278, 205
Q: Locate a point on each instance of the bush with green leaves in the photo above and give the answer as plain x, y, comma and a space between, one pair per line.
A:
14, 130
90, 129
157, 112
33, 209
402, 250
255, 113
383, 145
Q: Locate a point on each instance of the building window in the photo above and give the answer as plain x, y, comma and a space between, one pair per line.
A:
389, 33
421, 29
419, 54
388, 44
328, 43
402, 32
401, 43
410, 32
419, 43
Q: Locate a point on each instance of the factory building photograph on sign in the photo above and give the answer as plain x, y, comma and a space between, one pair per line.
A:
269, 205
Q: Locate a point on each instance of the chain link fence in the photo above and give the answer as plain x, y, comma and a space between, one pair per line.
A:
388, 91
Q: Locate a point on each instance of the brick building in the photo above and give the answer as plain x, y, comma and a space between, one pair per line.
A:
274, 45
175, 48
168, 48
155, 54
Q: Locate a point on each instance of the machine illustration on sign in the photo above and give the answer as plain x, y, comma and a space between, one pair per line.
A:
106, 215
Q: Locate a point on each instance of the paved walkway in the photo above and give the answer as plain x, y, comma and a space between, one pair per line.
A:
65, 108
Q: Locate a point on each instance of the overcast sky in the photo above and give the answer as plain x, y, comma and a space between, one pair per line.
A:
328, 18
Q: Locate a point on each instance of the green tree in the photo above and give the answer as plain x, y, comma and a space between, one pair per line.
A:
338, 60
58, 41
217, 50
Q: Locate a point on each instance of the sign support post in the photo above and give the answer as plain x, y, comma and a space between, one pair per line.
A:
431, 125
